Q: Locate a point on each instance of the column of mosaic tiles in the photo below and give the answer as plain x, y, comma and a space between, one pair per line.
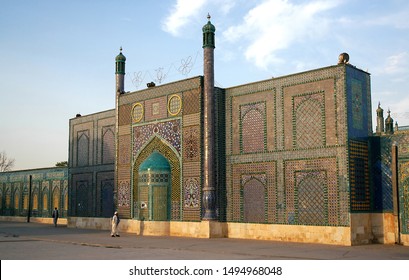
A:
192, 149
404, 194
220, 158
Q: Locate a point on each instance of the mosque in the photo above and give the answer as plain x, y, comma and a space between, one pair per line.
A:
291, 158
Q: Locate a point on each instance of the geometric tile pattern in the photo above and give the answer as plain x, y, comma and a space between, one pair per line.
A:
310, 181
359, 176
191, 193
404, 194
311, 197
357, 100
169, 131
124, 195
253, 127
309, 121
191, 143
252, 195
254, 200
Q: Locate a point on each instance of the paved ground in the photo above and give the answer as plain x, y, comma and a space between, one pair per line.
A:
31, 241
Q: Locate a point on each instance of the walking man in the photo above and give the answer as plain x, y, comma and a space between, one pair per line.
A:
115, 223
55, 216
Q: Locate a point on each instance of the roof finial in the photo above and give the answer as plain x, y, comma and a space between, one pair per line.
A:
120, 49
208, 16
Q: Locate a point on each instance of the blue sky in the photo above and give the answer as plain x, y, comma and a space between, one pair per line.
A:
57, 57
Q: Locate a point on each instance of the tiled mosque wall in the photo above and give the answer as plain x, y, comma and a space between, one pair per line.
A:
91, 165
167, 119
286, 149
49, 189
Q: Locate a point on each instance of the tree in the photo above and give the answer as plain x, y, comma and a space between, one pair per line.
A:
62, 164
6, 164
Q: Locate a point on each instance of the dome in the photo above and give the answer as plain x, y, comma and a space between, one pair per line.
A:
155, 162
120, 56
208, 27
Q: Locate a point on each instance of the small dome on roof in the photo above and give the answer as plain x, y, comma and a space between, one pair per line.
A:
208, 27
120, 56
379, 108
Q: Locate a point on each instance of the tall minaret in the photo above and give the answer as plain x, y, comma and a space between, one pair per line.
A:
120, 72
119, 89
209, 180
379, 120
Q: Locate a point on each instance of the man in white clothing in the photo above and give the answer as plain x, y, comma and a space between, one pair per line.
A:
115, 223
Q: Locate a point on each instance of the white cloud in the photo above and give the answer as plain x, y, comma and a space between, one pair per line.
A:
226, 6
398, 19
274, 25
181, 14
396, 64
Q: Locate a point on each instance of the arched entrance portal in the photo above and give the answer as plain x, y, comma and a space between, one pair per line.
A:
160, 146
154, 188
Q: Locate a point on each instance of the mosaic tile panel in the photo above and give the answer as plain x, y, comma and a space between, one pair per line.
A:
155, 108
251, 111
191, 101
169, 131
321, 173
381, 173
254, 198
191, 143
83, 150
359, 103
309, 115
253, 128
359, 176
124, 194
242, 174
138, 112
404, 194
124, 149
192, 194
313, 103
83, 199
357, 100
108, 145
124, 114
174, 105
311, 198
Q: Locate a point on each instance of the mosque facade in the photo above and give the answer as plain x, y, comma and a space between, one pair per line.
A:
291, 158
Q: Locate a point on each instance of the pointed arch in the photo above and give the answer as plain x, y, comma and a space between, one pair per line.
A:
83, 145
16, 198
108, 145
254, 201
162, 146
